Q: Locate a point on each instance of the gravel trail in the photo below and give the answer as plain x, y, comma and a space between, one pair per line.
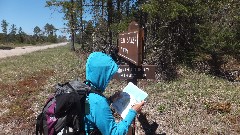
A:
27, 49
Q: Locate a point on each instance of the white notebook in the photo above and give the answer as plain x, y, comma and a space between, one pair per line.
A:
130, 95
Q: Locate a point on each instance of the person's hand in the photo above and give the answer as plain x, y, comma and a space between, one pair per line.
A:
115, 96
138, 107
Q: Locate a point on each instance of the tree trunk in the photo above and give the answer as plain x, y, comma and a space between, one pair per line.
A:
216, 63
118, 11
81, 19
72, 40
110, 14
127, 8
102, 9
72, 29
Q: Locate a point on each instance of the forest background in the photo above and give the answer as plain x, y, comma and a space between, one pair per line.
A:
197, 33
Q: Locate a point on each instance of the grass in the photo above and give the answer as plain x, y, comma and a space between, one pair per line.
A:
193, 104
197, 104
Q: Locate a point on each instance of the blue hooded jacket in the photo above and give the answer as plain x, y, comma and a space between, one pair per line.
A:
100, 69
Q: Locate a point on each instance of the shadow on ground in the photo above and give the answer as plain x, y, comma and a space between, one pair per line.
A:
149, 129
5, 48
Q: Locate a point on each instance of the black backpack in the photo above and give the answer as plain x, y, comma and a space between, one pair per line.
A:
65, 110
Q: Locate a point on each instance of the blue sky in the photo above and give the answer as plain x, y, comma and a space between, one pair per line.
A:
29, 14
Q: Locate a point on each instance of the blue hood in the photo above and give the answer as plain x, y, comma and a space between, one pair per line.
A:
100, 68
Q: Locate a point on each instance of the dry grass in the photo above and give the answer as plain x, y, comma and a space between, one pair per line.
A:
193, 104
26, 82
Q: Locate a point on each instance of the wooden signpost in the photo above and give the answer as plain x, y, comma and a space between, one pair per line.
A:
130, 47
137, 72
131, 44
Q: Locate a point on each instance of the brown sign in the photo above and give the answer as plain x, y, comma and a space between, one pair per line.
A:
130, 44
137, 72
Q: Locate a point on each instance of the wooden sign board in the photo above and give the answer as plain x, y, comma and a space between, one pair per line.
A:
130, 44
130, 47
136, 72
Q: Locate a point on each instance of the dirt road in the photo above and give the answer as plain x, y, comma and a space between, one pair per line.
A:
27, 49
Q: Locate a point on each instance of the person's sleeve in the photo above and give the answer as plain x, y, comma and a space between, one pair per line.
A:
105, 121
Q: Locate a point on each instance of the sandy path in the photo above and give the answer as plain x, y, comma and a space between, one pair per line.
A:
27, 49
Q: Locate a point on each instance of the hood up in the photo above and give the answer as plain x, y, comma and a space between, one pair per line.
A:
100, 68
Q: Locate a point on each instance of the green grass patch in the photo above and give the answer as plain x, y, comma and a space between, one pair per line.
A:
161, 108
193, 103
60, 59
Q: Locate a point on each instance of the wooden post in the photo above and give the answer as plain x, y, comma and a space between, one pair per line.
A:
130, 45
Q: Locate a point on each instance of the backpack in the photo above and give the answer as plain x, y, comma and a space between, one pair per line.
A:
65, 110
